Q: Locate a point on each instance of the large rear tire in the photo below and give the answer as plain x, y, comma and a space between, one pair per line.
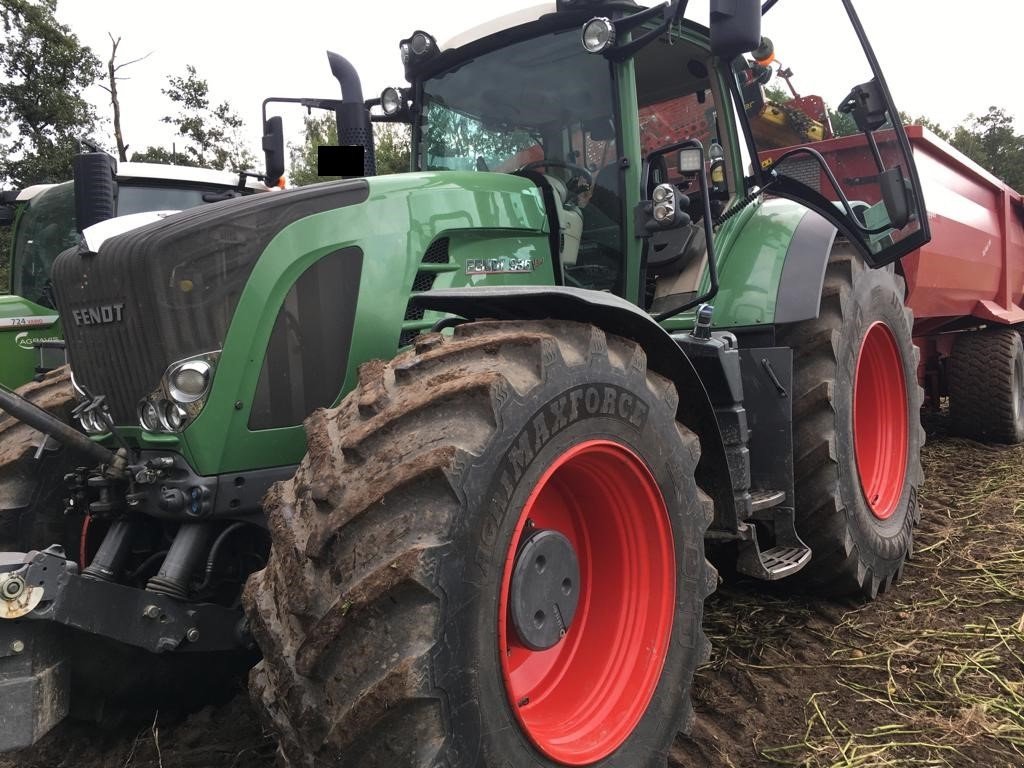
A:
986, 386
857, 430
458, 494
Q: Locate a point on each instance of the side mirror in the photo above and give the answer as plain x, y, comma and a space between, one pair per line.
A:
273, 150
894, 195
735, 27
95, 188
6, 215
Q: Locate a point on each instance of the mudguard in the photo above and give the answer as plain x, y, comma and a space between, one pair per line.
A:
803, 273
617, 316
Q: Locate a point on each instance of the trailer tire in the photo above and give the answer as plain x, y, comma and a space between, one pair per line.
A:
857, 429
31, 489
385, 614
986, 386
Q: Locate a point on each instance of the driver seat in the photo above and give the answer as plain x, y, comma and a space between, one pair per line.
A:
570, 222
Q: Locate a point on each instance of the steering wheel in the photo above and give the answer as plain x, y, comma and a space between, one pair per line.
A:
576, 169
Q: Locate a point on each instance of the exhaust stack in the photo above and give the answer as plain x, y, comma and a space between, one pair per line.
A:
353, 117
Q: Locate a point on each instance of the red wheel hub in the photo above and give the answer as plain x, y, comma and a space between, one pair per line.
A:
880, 420
579, 700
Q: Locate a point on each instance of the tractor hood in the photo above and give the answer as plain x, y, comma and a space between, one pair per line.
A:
167, 290
170, 290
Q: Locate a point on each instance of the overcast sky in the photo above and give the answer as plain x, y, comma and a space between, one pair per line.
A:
942, 58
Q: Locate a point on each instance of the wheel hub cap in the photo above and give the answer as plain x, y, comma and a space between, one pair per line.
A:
545, 590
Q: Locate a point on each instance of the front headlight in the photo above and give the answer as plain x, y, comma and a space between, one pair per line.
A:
188, 381
181, 396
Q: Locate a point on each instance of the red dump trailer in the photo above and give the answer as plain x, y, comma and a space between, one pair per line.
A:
965, 287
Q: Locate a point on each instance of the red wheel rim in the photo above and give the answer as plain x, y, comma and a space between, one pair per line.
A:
579, 700
880, 421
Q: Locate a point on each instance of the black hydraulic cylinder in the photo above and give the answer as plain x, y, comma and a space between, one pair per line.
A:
112, 552
186, 552
31, 414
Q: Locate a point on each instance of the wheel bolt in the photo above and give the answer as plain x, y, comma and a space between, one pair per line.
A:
12, 588
17, 646
150, 612
192, 635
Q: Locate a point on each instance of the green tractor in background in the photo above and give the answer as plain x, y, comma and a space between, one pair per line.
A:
491, 550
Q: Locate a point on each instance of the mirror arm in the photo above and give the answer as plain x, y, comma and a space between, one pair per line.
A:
843, 199
670, 13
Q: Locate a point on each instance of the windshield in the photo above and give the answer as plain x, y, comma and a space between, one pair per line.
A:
543, 108
133, 198
517, 105
45, 228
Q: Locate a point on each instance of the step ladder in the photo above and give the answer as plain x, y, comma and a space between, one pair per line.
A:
788, 555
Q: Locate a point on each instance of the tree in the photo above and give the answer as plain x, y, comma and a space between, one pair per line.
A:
5, 256
112, 69
991, 141
163, 156
392, 147
43, 71
213, 132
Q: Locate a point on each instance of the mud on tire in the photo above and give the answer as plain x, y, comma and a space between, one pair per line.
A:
31, 490
378, 612
858, 545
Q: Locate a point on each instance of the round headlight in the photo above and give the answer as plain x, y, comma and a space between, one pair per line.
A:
189, 381
662, 192
420, 43
149, 416
172, 416
94, 423
598, 35
391, 101
663, 213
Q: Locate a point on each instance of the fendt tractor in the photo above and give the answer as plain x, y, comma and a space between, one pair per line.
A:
624, 345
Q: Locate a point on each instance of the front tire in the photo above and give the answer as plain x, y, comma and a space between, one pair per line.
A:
857, 430
391, 613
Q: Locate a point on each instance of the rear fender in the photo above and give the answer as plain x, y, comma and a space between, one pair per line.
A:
616, 316
803, 272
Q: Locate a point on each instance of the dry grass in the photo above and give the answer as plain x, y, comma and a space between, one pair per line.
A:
937, 677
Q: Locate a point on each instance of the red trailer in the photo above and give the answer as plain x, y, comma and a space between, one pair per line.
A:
965, 287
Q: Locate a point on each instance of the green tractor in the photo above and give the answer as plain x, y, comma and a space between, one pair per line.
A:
619, 344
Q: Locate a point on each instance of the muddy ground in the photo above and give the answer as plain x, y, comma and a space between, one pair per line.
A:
931, 674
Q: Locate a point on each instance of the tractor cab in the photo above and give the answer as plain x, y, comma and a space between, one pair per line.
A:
600, 103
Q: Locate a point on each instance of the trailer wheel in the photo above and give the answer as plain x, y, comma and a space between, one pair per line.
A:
491, 555
857, 429
986, 386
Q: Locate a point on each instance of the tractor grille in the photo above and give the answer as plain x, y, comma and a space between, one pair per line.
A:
168, 290
437, 253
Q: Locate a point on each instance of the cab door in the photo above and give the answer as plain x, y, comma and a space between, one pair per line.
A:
825, 130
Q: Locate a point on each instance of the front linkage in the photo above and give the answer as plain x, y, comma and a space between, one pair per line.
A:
40, 590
